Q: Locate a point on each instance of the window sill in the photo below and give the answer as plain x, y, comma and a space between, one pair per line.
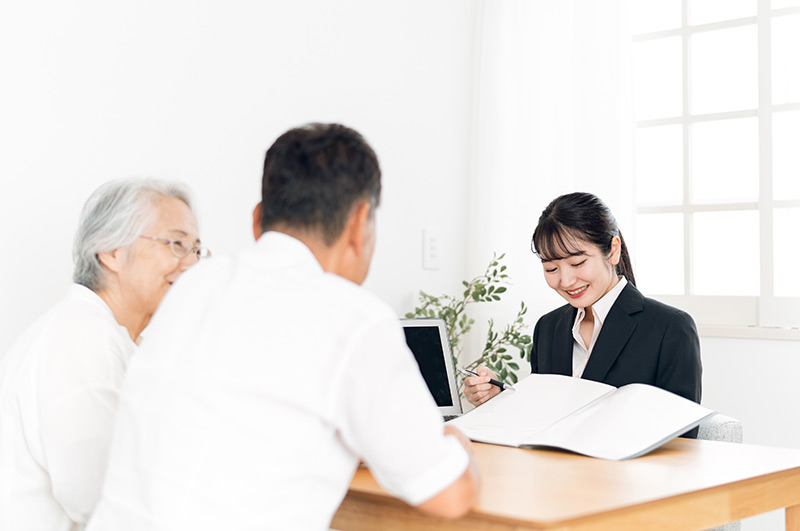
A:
749, 332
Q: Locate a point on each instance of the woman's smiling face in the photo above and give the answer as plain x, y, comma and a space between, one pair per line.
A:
150, 267
585, 275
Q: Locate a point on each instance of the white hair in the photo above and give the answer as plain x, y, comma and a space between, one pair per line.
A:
114, 216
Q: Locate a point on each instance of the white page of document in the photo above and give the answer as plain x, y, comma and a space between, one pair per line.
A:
627, 423
537, 402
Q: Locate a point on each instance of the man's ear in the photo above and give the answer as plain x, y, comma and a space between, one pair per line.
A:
358, 227
257, 231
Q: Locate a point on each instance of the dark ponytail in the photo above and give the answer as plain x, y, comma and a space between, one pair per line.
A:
579, 216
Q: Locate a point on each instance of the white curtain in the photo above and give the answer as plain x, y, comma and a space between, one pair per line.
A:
552, 115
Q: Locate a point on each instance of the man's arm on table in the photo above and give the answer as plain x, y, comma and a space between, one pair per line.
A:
456, 500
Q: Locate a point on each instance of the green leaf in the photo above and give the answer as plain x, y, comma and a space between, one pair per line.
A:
465, 283
513, 365
501, 350
501, 289
513, 377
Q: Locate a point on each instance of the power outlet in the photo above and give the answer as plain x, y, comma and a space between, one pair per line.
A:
430, 249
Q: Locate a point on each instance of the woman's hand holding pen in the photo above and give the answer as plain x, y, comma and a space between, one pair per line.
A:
477, 389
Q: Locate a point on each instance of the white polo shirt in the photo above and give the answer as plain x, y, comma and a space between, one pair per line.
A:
58, 397
263, 382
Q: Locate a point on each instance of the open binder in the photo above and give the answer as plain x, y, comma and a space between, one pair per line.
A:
582, 416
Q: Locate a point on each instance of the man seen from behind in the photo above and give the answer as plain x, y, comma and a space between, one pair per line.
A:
266, 377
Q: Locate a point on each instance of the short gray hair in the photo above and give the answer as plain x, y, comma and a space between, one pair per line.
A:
114, 216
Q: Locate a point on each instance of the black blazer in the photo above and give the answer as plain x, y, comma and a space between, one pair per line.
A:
642, 341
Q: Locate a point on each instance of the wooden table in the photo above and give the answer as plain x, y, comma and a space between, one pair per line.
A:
685, 484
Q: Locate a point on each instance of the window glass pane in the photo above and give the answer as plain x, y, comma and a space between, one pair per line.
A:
658, 264
704, 11
786, 155
657, 78
777, 4
785, 63
723, 69
654, 15
725, 253
786, 222
725, 161
659, 165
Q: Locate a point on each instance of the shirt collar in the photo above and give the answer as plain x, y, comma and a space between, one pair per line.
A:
84, 294
88, 296
603, 305
280, 248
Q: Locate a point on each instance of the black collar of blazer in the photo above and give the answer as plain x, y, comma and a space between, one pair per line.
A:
617, 329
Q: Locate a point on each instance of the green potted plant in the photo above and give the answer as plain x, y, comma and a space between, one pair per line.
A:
487, 288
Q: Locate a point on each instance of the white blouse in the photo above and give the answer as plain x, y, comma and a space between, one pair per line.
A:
59, 388
600, 309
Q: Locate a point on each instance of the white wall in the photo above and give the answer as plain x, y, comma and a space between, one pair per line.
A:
197, 90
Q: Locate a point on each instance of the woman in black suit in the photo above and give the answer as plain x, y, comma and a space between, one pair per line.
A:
609, 332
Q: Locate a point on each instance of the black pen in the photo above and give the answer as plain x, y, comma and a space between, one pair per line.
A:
501, 385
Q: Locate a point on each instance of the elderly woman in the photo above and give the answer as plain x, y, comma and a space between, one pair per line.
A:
59, 383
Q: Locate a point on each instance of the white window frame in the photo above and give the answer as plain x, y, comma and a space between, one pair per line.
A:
764, 316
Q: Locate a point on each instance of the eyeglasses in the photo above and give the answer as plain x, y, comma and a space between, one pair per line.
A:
180, 248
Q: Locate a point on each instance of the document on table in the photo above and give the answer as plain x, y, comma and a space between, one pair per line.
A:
582, 416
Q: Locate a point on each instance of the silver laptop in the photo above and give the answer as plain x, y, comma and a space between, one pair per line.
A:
427, 339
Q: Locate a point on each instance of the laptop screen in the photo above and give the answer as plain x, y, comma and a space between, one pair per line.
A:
427, 339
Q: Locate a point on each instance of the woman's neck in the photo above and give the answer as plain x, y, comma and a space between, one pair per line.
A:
132, 319
614, 281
